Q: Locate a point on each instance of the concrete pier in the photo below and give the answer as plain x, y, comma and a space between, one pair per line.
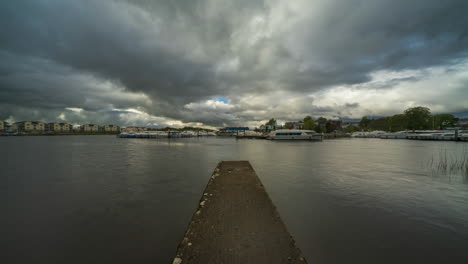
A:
236, 222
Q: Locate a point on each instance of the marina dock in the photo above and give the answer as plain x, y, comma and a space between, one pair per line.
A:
236, 222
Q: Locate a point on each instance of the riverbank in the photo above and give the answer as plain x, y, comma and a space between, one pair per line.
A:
58, 134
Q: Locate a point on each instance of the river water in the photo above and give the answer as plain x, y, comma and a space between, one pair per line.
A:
101, 199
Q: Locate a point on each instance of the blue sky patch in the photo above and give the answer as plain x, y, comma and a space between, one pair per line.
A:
222, 99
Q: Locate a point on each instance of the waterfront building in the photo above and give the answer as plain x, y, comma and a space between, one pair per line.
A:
268, 128
2, 125
59, 127
28, 126
110, 128
66, 127
294, 125
89, 128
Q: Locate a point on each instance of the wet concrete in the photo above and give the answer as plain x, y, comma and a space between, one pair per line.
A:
236, 222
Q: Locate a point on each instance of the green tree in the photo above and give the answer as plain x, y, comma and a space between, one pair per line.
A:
398, 123
443, 121
379, 124
321, 125
418, 117
321, 120
309, 124
271, 122
351, 129
307, 118
364, 123
332, 126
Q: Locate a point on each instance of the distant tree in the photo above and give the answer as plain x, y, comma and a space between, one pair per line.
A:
329, 127
309, 124
418, 117
271, 122
321, 125
321, 120
351, 129
398, 123
307, 118
379, 124
443, 121
332, 126
364, 123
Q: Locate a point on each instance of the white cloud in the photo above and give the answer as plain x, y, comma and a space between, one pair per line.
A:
62, 117
209, 105
74, 109
442, 89
282, 59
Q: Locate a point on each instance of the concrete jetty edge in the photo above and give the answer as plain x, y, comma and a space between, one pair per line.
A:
236, 222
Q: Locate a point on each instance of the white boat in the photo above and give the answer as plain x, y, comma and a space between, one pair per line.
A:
395, 135
372, 134
292, 134
359, 134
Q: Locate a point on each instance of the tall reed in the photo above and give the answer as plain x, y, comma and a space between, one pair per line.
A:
450, 164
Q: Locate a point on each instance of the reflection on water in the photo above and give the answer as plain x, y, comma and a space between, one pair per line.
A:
87, 199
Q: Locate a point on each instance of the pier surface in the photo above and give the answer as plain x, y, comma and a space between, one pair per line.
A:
236, 222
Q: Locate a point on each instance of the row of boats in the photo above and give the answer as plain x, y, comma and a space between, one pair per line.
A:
452, 135
291, 134
281, 134
165, 134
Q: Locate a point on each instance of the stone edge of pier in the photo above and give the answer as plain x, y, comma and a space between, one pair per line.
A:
179, 257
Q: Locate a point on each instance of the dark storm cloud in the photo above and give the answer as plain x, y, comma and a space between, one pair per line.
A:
57, 54
352, 38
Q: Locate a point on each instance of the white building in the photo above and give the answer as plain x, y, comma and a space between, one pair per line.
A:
59, 127
268, 128
110, 128
294, 125
29, 126
89, 128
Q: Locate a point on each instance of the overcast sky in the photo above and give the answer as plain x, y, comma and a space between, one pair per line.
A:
217, 63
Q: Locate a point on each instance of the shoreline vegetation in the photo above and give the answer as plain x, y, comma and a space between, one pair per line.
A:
443, 164
414, 118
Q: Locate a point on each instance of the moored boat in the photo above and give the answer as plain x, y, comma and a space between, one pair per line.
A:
292, 134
